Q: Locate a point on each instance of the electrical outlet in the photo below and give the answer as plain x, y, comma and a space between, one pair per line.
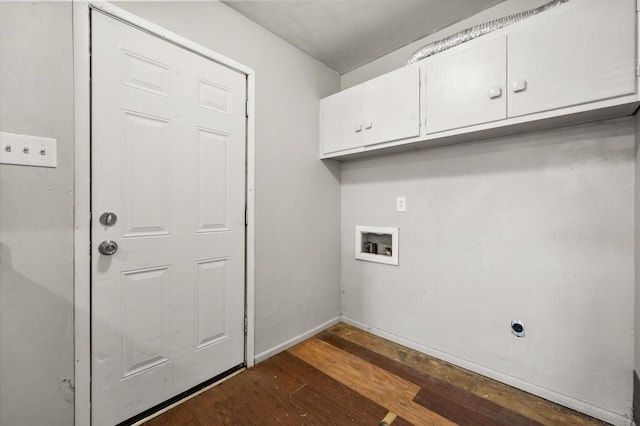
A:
28, 150
401, 204
517, 328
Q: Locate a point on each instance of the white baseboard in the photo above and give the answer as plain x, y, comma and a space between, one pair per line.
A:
294, 341
575, 404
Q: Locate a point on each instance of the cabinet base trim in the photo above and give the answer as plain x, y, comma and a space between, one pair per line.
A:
600, 111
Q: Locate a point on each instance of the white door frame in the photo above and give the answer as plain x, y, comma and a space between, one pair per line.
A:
82, 188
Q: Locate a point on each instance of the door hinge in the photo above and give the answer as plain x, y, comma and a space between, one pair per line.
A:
246, 325
246, 108
637, 5
638, 69
246, 216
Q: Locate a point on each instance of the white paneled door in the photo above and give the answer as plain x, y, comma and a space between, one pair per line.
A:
168, 163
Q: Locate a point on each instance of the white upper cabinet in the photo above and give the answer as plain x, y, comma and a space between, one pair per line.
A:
392, 106
341, 121
574, 63
467, 87
381, 110
577, 54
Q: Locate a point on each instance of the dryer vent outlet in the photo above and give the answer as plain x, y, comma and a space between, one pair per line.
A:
517, 328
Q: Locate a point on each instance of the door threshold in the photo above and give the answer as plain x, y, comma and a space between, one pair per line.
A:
167, 405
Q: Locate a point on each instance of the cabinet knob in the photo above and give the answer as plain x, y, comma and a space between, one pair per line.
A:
357, 128
369, 125
495, 92
519, 86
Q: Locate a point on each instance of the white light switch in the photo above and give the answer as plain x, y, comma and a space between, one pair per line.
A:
28, 150
401, 204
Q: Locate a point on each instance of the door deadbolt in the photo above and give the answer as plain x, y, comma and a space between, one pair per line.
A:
108, 218
108, 247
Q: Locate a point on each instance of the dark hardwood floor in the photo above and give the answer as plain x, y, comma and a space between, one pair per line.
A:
346, 376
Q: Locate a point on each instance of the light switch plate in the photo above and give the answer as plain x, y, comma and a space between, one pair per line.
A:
28, 150
401, 204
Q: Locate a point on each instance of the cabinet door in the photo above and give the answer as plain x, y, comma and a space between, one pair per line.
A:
467, 87
341, 121
574, 55
392, 106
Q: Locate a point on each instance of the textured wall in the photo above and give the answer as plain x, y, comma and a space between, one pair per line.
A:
36, 218
297, 205
537, 227
548, 214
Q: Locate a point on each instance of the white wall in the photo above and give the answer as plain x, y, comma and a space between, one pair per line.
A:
297, 205
297, 196
537, 227
36, 218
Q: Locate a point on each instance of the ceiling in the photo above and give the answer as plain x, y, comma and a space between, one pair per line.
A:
345, 34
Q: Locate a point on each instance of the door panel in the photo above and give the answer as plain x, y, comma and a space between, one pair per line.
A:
211, 301
168, 158
145, 319
145, 74
146, 174
467, 87
214, 97
212, 180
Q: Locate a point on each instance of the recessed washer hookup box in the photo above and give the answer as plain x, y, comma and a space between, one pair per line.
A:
377, 244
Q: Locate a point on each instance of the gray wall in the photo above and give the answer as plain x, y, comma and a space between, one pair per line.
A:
537, 227
297, 196
36, 218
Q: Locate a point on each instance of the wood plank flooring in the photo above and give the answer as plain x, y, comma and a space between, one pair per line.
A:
347, 376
